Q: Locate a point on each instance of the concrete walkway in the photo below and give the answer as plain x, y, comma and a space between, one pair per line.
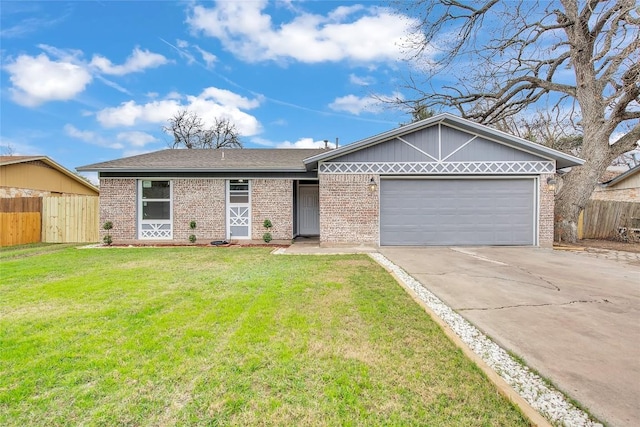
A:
574, 317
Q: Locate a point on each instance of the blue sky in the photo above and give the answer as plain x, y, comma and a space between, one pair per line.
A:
88, 81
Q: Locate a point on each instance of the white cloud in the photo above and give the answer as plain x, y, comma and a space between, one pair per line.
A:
62, 74
208, 57
67, 55
355, 33
368, 104
131, 113
173, 95
138, 61
226, 97
210, 104
361, 80
37, 79
300, 143
304, 143
136, 138
91, 137
356, 105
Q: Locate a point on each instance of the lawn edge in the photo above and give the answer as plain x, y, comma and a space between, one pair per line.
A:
501, 385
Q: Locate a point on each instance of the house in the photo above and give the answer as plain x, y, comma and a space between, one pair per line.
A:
37, 176
623, 188
440, 181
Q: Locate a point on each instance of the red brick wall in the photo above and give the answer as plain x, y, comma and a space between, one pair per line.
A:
348, 209
118, 204
546, 219
202, 201
272, 199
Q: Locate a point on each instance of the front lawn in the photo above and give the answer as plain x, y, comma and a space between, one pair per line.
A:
225, 336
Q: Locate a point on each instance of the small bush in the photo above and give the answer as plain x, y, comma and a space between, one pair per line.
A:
192, 225
107, 239
267, 237
192, 238
267, 224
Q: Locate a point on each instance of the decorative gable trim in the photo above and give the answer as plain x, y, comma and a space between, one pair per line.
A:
439, 168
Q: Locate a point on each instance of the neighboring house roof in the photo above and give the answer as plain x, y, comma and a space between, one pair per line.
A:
562, 160
247, 160
628, 174
11, 160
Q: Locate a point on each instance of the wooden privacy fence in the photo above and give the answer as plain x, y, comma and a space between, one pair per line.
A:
20, 220
70, 219
50, 219
601, 219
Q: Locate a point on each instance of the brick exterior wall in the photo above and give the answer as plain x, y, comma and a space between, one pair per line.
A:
272, 199
202, 201
10, 192
349, 211
546, 219
617, 194
118, 205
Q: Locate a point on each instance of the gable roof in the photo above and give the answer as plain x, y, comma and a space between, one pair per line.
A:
628, 174
12, 160
223, 160
562, 160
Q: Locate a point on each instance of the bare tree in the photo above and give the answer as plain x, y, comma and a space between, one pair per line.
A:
189, 131
577, 55
7, 150
630, 159
545, 128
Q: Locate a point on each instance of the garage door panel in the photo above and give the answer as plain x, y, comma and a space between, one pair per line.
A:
457, 212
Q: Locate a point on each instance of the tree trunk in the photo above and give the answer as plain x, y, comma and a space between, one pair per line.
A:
580, 183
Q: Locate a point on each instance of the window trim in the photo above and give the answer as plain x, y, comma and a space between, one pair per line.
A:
154, 222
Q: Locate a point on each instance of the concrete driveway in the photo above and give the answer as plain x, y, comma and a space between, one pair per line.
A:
574, 317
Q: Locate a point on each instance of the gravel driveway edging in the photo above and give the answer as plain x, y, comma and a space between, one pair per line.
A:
549, 402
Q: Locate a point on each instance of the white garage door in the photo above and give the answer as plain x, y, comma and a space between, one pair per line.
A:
457, 211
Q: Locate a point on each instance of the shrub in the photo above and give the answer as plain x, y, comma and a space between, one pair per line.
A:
107, 239
267, 237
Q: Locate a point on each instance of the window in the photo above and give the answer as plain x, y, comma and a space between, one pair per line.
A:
156, 200
238, 191
154, 209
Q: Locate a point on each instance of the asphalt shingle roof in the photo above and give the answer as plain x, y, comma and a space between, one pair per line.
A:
282, 159
8, 160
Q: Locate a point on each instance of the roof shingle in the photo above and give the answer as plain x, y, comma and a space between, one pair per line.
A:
260, 159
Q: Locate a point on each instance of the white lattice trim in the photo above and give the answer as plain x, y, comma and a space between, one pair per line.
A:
238, 216
155, 231
439, 168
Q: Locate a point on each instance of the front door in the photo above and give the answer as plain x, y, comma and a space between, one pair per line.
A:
308, 210
238, 209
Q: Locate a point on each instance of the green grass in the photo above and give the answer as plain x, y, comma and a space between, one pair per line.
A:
225, 336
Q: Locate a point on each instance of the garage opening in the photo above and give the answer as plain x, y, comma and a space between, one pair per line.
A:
449, 212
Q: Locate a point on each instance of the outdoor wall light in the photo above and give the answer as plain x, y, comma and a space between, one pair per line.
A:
372, 185
551, 183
